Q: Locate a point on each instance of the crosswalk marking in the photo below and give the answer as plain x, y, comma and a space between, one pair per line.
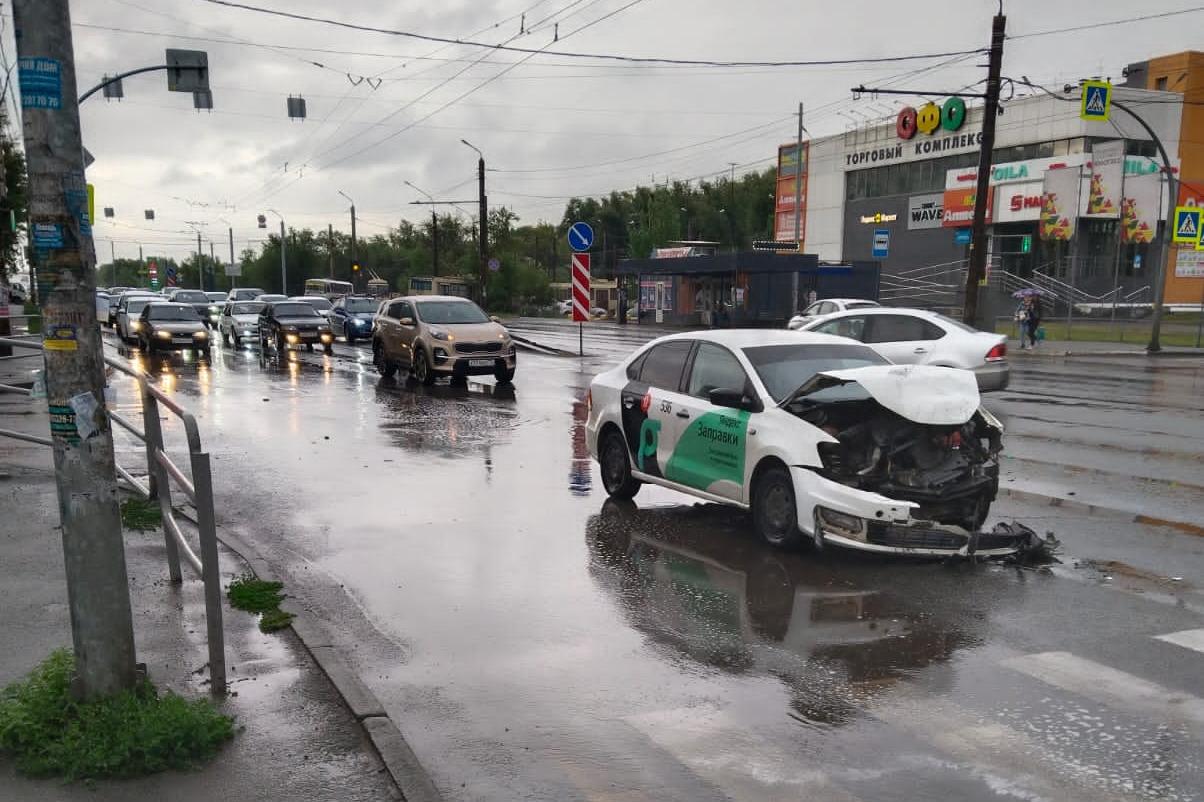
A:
716, 747
1188, 639
1110, 686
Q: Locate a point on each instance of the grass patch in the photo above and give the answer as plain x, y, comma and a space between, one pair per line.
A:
34, 323
258, 596
135, 733
140, 514
1126, 331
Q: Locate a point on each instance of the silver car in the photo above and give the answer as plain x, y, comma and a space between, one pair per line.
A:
240, 322
129, 309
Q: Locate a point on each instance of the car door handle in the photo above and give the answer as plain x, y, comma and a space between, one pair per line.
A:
920, 351
681, 413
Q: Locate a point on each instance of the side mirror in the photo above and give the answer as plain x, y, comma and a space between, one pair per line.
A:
732, 399
406, 321
495, 318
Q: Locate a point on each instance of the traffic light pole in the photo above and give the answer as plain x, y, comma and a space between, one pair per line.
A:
98, 597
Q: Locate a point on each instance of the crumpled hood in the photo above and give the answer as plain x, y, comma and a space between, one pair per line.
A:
920, 393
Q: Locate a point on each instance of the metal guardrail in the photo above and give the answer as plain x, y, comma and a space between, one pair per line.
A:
162, 473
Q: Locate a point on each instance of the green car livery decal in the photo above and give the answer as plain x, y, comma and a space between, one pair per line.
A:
710, 450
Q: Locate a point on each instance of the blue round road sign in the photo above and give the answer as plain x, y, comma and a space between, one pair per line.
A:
581, 236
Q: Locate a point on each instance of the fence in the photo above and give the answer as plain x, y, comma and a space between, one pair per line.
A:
162, 473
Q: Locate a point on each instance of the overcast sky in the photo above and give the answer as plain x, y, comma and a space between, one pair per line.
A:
579, 127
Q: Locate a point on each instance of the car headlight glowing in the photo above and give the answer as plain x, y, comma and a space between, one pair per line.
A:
292, 338
326, 337
200, 335
166, 335
135, 325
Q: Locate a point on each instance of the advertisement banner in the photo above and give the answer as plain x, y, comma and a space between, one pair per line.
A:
1017, 202
1107, 175
925, 211
1139, 208
792, 168
1060, 203
959, 207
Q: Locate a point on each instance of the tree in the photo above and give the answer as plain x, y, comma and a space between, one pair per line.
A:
13, 200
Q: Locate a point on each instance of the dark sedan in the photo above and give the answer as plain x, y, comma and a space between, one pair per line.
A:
196, 299
286, 323
166, 325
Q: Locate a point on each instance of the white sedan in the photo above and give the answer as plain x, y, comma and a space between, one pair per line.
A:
239, 322
919, 337
827, 307
821, 438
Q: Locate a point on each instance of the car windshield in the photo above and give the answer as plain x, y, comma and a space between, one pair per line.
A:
783, 368
216, 296
320, 304
360, 305
165, 312
269, 297
134, 306
247, 293
451, 312
296, 309
190, 298
247, 308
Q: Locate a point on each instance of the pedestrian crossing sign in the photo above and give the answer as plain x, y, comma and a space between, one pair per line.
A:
1097, 101
1187, 224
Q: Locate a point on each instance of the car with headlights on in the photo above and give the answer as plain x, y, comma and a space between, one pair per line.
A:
440, 335
196, 299
166, 325
129, 311
920, 337
351, 316
822, 439
217, 300
287, 323
239, 322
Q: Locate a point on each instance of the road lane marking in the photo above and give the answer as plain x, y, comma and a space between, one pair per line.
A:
1188, 639
1111, 687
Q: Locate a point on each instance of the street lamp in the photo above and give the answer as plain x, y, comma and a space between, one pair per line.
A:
483, 215
434, 228
283, 251
355, 262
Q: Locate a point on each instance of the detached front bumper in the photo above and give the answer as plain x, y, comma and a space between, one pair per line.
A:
867, 521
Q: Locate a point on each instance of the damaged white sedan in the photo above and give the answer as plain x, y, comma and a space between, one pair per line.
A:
822, 439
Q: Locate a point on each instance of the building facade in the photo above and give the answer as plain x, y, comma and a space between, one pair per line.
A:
901, 191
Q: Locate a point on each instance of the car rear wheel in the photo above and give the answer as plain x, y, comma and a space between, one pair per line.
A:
422, 368
775, 514
383, 366
347, 335
503, 375
616, 469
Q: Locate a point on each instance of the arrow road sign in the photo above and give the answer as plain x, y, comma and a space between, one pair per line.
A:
581, 236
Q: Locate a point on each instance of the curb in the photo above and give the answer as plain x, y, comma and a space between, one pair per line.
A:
408, 774
1095, 509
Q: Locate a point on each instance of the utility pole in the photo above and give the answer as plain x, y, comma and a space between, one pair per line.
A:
483, 221
231, 232
200, 268
798, 203
976, 270
330, 240
102, 630
434, 242
354, 257
283, 261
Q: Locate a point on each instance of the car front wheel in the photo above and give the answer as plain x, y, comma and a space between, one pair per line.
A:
616, 469
775, 514
383, 366
422, 368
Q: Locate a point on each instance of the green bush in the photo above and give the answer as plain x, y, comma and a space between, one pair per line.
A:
134, 733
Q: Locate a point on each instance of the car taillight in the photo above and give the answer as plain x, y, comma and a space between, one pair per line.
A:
646, 402
997, 353
589, 400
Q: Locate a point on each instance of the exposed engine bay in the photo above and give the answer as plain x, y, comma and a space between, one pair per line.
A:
950, 470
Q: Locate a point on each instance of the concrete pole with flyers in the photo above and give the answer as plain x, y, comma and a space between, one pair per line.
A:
98, 596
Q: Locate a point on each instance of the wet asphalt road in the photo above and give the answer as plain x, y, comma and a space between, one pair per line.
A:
536, 642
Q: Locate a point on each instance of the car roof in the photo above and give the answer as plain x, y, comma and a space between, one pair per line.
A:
749, 338
430, 298
882, 310
848, 301
170, 304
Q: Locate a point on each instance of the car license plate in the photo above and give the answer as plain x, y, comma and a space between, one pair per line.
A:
480, 363
181, 339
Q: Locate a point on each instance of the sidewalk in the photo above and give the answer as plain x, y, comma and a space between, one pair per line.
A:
295, 738
1073, 348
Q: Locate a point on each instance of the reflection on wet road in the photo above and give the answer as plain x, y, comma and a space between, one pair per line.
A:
535, 641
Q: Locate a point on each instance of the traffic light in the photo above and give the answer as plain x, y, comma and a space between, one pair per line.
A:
355, 267
1026, 243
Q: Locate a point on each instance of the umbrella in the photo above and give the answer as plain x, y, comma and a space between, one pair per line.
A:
1026, 292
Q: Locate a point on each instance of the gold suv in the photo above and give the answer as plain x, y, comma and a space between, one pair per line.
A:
440, 335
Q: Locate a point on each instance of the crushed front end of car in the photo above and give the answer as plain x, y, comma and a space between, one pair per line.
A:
910, 463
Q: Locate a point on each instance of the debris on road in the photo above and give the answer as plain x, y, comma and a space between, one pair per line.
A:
1033, 549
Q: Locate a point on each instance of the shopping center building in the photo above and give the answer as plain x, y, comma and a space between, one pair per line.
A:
901, 190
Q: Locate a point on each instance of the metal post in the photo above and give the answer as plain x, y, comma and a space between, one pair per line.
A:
200, 269
330, 240
1116, 267
113, 262
98, 596
435, 242
233, 283
580, 339
283, 262
355, 259
798, 203
202, 481
159, 482
483, 240
978, 237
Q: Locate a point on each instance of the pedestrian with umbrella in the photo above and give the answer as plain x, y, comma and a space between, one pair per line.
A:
1028, 315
